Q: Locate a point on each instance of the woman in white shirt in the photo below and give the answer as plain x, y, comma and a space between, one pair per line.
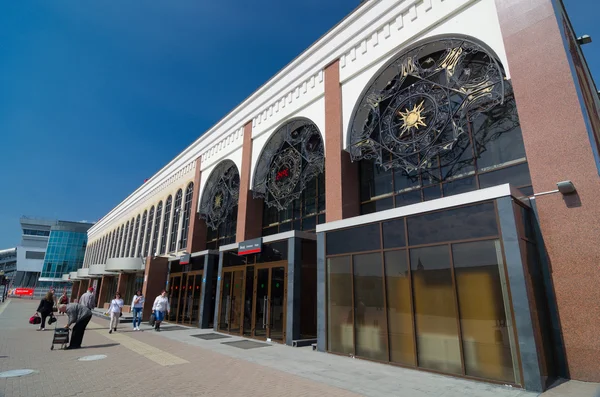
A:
115, 309
160, 308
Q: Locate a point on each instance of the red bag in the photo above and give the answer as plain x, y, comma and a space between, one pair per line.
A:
35, 319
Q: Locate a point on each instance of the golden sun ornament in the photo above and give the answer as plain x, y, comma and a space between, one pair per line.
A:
412, 118
218, 201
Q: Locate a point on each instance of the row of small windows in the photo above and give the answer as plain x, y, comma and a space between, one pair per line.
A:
137, 237
31, 232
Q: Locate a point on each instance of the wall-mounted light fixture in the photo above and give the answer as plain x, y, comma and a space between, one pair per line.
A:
564, 188
585, 39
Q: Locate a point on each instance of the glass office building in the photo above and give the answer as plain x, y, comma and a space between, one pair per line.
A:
65, 251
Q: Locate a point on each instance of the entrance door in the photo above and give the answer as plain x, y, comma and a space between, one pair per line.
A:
253, 301
231, 308
184, 296
270, 292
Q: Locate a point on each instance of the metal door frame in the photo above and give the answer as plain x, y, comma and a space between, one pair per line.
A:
269, 266
232, 270
180, 275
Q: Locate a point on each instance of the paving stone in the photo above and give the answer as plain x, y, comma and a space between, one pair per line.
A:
178, 363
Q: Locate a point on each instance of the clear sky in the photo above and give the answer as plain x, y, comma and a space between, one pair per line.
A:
96, 96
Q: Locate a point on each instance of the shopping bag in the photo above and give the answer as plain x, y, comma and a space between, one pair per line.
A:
152, 320
35, 319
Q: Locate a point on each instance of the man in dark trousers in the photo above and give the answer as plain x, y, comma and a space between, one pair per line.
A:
79, 315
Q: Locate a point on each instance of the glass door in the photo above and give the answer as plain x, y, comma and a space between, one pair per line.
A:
270, 291
174, 292
277, 303
231, 309
261, 299
196, 291
180, 311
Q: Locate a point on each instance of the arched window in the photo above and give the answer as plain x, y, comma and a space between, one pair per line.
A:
146, 247
102, 247
218, 206
134, 242
187, 206
175, 221
439, 120
156, 228
105, 241
129, 239
165, 230
90, 249
289, 177
114, 243
120, 238
126, 241
93, 252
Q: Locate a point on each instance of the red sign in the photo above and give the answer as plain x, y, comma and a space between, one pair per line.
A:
284, 173
23, 291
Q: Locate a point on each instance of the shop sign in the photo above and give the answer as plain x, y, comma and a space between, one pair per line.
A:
185, 259
23, 292
250, 246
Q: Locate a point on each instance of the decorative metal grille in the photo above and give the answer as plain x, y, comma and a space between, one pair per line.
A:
291, 158
420, 105
221, 194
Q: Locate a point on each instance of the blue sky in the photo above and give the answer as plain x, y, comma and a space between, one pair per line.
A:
96, 96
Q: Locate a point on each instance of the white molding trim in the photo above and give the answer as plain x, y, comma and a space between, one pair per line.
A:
475, 196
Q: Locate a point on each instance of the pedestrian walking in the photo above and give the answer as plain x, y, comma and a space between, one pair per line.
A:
116, 311
79, 316
63, 301
137, 305
45, 309
160, 308
88, 299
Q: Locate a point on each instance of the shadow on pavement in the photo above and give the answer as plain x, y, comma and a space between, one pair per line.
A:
98, 346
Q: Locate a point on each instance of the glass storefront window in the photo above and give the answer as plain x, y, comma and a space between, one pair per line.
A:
436, 302
340, 320
364, 238
369, 315
438, 347
399, 311
475, 221
484, 318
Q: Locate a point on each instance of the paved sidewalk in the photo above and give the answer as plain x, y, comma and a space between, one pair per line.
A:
176, 363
